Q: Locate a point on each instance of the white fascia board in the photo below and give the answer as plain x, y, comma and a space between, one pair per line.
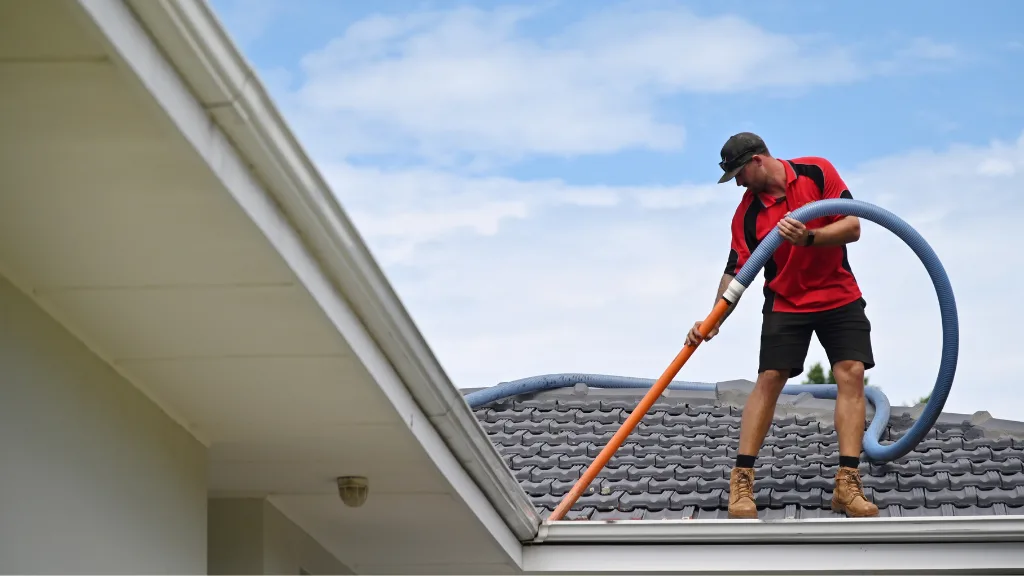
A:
793, 557
177, 50
817, 530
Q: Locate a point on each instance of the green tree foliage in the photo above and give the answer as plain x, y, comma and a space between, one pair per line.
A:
817, 375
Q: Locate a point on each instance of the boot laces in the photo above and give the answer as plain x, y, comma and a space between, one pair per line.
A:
852, 482
744, 487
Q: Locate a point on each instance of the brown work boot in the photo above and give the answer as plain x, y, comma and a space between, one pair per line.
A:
848, 495
741, 494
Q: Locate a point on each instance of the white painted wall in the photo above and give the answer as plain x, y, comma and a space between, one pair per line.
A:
251, 536
94, 478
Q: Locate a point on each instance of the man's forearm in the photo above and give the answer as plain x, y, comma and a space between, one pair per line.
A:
837, 233
723, 285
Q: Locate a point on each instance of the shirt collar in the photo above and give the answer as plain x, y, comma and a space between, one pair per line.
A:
790, 173
768, 199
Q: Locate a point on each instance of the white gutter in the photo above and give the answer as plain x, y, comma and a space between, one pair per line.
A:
752, 559
844, 530
191, 38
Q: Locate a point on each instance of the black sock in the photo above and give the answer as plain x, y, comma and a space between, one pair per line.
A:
849, 461
745, 461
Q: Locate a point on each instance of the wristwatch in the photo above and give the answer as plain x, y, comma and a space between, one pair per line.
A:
810, 237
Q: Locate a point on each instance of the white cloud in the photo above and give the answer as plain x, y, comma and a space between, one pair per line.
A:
472, 82
510, 278
525, 280
406, 209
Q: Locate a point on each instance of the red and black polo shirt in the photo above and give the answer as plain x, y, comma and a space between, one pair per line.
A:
797, 278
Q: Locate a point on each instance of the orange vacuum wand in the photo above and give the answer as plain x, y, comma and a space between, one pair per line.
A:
716, 315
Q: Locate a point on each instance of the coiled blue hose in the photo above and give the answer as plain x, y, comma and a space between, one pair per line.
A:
871, 446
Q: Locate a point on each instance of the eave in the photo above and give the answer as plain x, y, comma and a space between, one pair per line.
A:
192, 39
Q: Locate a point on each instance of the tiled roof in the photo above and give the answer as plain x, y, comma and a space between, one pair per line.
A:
676, 463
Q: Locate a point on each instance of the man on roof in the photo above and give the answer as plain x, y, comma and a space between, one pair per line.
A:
809, 289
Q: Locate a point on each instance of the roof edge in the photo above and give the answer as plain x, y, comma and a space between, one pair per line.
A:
795, 557
197, 45
820, 530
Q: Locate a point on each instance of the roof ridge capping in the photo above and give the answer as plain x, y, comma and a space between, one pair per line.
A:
734, 393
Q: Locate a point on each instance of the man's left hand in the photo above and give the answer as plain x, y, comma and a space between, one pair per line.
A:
793, 230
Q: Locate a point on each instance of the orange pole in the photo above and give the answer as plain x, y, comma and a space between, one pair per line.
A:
716, 315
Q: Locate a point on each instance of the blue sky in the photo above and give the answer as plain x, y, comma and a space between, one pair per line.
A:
538, 180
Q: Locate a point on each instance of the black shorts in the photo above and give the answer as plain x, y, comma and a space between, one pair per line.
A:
844, 333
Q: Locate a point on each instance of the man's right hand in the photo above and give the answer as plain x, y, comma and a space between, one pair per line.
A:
694, 336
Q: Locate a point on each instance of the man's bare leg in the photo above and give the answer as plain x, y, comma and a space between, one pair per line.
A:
850, 409
757, 418
848, 494
759, 410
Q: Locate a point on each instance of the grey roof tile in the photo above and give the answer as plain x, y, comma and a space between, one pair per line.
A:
521, 449
911, 467
676, 463
889, 481
645, 501
813, 482
538, 474
653, 448
1006, 466
1003, 454
615, 473
608, 417
651, 471
935, 481
538, 461
959, 466
1011, 480
619, 459
545, 449
537, 488
506, 439
1005, 496
679, 459
579, 459
566, 427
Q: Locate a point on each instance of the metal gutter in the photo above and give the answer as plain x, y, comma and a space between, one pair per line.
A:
753, 559
237, 103
846, 530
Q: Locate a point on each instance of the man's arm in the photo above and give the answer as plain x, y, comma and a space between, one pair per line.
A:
738, 255
694, 336
840, 229
843, 231
723, 284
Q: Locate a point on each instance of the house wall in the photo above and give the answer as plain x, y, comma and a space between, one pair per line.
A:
251, 536
94, 478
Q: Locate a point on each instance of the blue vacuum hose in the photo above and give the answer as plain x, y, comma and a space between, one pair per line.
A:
871, 446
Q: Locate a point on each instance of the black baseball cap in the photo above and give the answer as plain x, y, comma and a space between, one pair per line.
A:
737, 151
